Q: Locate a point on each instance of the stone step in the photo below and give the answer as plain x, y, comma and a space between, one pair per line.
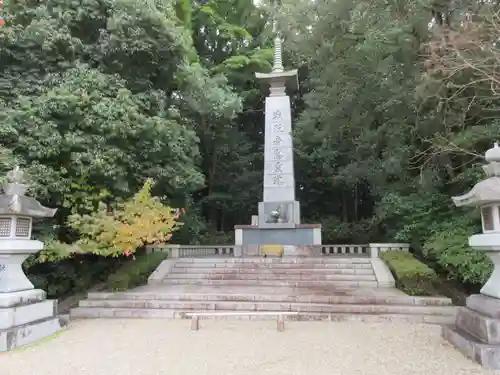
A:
273, 261
94, 312
277, 266
267, 306
274, 270
273, 283
280, 297
269, 276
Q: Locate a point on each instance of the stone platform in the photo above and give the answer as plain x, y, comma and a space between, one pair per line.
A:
26, 317
300, 234
476, 332
316, 288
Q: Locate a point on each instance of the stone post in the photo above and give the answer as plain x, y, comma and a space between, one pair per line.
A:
25, 315
175, 251
377, 248
238, 251
476, 332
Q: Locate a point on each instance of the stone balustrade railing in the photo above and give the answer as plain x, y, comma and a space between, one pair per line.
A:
377, 248
190, 251
345, 250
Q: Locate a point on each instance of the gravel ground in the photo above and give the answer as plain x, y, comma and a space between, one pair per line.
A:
154, 347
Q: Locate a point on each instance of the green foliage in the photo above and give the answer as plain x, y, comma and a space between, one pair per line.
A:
54, 251
448, 247
7, 162
62, 278
213, 237
83, 272
412, 276
90, 130
336, 231
135, 272
413, 217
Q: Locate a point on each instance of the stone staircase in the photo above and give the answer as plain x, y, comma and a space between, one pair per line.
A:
273, 272
327, 288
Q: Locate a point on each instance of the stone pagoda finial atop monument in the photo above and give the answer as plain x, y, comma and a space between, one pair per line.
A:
278, 53
279, 78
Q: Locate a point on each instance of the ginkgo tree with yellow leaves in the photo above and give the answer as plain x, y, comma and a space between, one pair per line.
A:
129, 226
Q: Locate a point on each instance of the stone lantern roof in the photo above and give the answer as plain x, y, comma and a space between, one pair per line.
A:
14, 202
486, 191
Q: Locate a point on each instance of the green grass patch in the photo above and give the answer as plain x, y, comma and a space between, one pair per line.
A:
135, 272
412, 276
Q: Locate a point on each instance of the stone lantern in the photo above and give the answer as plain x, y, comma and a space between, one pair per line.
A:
477, 326
25, 315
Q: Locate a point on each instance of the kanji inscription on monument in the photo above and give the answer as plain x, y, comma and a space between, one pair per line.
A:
279, 184
278, 128
278, 154
278, 180
278, 167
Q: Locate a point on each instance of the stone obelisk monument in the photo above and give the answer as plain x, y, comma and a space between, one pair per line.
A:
279, 212
279, 207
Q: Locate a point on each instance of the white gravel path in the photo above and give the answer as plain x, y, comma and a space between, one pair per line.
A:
154, 347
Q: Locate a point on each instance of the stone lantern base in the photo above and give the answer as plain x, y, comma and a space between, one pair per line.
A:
476, 332
26, 317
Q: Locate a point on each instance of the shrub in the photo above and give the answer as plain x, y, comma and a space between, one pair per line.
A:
412, 276
135, 272
449, 248
137, 222
66, 277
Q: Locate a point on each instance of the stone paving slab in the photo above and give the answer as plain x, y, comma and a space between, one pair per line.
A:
163, 347
284, 290
115, 313
261, 298
273, 283
365, 270
271, 276
269, 306
276, 261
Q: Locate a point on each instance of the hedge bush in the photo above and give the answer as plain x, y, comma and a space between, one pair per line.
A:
77, 274
135, 272
412, 276
449, 248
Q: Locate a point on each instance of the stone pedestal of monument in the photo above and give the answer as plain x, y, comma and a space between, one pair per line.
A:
25, 315
301, 234
476, 331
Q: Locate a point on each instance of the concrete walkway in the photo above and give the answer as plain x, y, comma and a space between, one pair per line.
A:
157, 347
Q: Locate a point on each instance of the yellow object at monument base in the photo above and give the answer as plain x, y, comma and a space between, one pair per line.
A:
272, 250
